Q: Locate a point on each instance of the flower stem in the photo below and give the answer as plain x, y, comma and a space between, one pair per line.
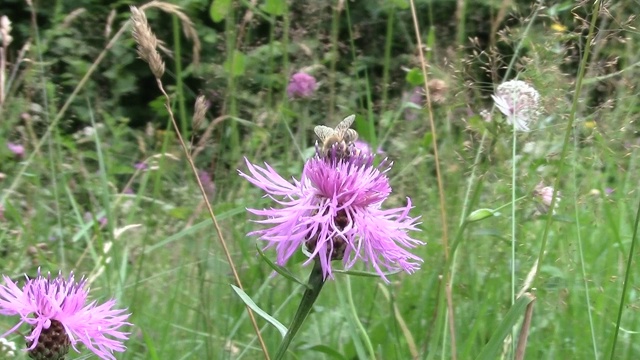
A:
316, 281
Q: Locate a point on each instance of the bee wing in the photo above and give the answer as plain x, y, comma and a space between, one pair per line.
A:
350, 136
323, 132
345, 124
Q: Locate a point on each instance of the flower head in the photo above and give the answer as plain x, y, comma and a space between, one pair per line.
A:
519, 102
544, 195
335, 211
301, 85
59, 316
16, 149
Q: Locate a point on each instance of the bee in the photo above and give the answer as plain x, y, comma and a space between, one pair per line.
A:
342, 136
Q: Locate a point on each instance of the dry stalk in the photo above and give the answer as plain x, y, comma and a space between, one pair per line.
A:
147, 44
524, 330
108, 27
443, 212
5, 33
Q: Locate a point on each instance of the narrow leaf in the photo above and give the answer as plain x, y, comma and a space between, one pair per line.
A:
364, 273
494, 346
247, 300
280, 269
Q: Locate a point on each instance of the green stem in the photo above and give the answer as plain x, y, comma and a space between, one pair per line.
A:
625, 284
513, 226
316, 281
513, 213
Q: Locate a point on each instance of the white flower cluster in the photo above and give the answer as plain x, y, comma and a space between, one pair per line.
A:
519, 102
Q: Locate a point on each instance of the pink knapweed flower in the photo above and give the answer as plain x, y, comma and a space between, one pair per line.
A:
335, 211
301, 85
59, 316
519, 102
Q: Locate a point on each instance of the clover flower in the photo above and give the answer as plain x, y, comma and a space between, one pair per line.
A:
59, 316
301, 85
519, 102
335, 211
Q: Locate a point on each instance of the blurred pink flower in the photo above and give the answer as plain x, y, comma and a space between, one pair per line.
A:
16, 149
544, 194
301, 85
207, 183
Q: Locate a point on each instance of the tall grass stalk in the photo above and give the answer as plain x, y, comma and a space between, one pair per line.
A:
625, 284
569, 130
583, 270
145, 40
441, 194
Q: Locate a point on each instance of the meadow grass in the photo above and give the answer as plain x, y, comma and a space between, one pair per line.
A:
144, 236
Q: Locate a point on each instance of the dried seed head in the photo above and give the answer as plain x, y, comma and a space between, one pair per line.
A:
147, 42
200, 110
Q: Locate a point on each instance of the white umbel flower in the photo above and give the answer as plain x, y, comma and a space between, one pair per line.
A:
519, 102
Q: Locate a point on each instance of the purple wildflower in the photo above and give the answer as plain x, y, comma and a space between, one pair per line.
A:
59, 316
301, 85
140, 166
519, 102
335, 211
207, 183
16, 149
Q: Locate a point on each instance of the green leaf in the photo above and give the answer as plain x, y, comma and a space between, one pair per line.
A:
236, 64
363, 273
494, 346
280, 269
427, 140
274, 7
414, 77
401, 4
219, 9
247, 300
